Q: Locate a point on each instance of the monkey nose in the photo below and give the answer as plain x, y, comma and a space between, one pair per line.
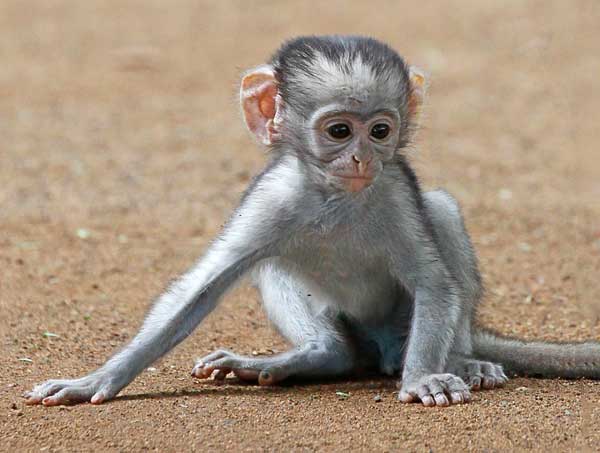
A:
361, 163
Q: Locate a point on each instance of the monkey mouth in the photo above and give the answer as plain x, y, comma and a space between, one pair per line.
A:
355, 183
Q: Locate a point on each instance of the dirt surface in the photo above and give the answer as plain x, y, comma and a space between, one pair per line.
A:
122, 152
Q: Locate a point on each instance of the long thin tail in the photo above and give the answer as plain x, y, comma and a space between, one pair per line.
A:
568, 360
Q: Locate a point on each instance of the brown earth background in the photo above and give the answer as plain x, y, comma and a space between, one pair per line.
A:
122, 151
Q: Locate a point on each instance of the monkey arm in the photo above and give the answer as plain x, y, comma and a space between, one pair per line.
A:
435, 319
436, 314
247, 238
177, 313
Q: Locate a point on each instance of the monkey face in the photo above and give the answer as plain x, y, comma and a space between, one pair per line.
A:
352, 145
344, 107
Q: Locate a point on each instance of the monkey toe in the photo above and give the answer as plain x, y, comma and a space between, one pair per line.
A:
201, 371
220, 363
493, 375
479, 374
474, 382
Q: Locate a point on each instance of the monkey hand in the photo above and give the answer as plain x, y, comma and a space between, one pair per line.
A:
434, 390
96, 388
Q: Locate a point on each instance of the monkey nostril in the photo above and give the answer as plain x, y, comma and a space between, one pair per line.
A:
356, 159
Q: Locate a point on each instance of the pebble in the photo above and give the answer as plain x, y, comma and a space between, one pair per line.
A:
377, 398
82, 233
505, 194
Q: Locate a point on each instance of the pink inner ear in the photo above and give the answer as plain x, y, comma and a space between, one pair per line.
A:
267, 100
258, 95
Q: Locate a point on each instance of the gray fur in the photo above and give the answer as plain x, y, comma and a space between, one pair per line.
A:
538, 358
384, 278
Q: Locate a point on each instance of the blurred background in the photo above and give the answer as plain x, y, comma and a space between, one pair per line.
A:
122, 152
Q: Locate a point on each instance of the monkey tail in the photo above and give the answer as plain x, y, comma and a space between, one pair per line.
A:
539, 358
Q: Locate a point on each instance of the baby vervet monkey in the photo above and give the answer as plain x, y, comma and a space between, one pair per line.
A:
358, 268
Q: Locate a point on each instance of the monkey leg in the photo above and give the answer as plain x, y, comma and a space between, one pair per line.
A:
477, 374
458, 255
308, 360
321, 349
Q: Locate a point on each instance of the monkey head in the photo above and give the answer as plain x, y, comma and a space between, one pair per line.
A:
345, 107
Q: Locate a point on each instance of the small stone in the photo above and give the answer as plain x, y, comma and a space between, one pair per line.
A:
525, 247
82, 233
522, 389
505, 194
377, 398
14, 406
568, 412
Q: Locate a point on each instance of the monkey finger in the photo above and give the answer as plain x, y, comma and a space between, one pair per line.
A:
32, 398
66, 396
407, 397
437, 390
99, 397
425, 395
105, 393
457, 398
458, 390
441, 399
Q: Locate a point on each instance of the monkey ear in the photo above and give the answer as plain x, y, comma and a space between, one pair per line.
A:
418, 86
259, 101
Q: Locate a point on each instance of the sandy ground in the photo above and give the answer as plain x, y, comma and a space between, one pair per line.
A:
122, 152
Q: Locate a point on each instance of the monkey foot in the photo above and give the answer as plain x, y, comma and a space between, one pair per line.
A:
253, 369
434, 390
478, 374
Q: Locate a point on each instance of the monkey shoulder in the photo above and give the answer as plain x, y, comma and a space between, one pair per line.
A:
278, 187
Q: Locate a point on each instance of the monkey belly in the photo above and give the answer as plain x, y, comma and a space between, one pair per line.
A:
375, 314
361, 291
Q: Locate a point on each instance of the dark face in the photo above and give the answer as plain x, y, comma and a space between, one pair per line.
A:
352, 146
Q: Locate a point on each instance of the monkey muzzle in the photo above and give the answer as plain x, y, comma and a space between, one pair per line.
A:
355, 183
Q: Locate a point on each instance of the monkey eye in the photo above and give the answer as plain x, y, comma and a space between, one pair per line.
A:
380, 131
339, 131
